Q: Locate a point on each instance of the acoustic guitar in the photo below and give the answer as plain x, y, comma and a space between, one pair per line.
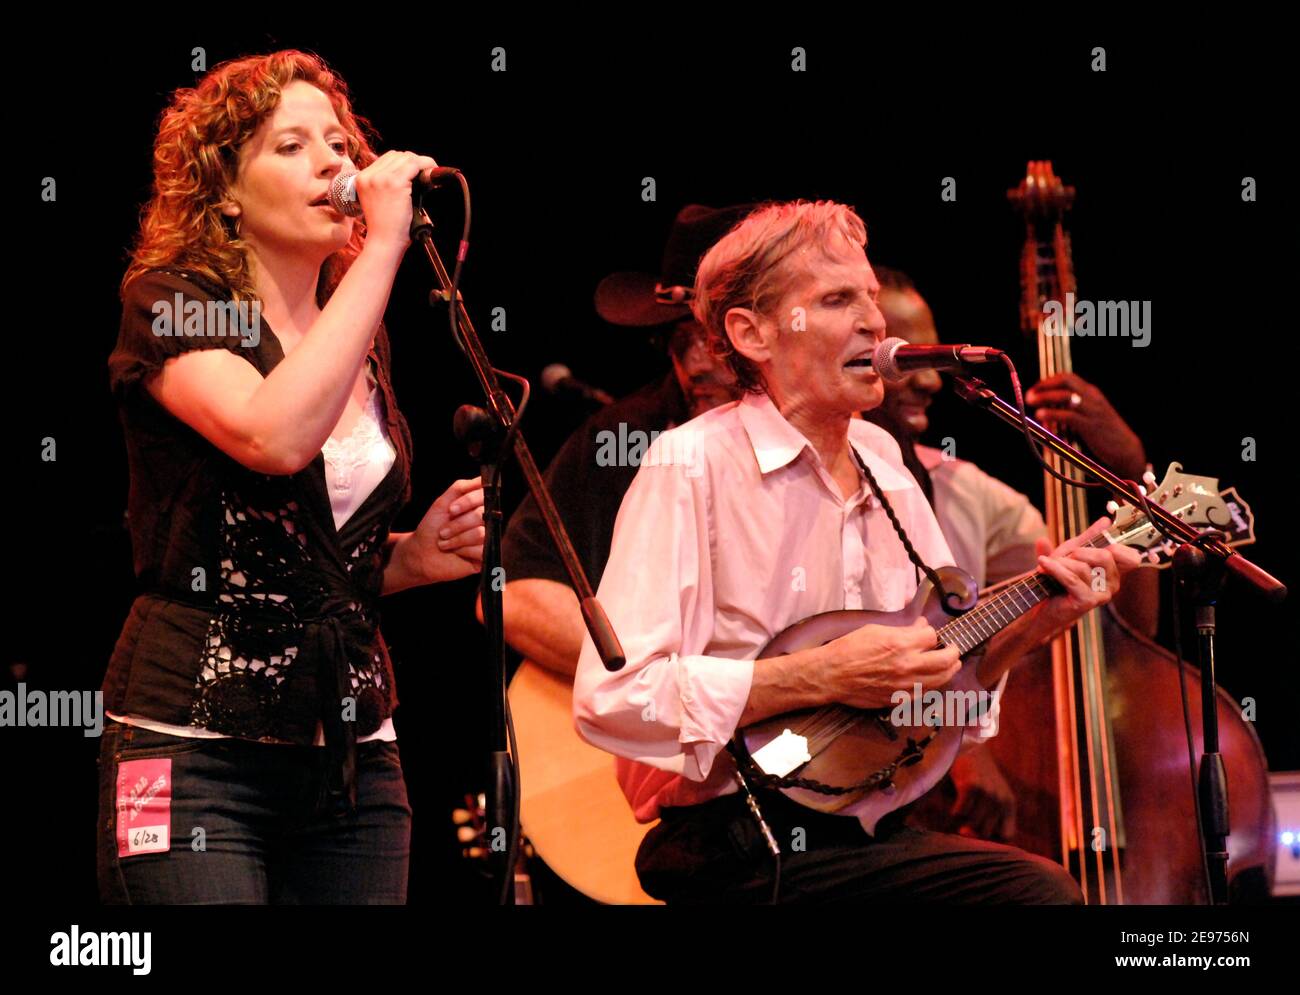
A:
571, 806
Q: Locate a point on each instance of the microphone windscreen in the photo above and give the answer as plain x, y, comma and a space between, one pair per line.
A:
343, 195
554, 375
882, 360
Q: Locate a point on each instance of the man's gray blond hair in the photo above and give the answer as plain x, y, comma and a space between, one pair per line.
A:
744, 269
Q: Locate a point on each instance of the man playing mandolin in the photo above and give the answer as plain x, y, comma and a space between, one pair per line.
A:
753, 517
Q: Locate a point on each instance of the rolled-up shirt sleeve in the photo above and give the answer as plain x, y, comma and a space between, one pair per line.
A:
671, 706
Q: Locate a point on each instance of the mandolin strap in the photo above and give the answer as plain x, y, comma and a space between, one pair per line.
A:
748, 773
950, 599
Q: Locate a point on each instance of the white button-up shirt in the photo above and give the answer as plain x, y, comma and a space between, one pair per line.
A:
732, 530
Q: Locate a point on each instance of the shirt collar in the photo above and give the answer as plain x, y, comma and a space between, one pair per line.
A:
777, 443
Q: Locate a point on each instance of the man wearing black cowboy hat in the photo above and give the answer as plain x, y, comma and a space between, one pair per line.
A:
542, 617
663, 303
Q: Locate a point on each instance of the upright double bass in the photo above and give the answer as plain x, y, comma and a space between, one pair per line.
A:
1094, 748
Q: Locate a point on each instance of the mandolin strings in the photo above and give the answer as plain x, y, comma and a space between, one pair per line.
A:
984, 621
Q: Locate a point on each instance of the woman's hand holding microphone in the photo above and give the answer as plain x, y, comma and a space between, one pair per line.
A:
384, 190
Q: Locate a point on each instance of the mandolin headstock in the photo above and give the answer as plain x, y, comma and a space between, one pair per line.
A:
1198, 502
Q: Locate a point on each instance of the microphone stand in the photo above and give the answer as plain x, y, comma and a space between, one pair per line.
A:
1201, 563
486, 431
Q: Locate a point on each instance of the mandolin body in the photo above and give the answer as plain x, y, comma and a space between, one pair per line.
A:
847, 744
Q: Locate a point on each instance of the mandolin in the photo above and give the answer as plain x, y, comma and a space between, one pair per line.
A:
869, 762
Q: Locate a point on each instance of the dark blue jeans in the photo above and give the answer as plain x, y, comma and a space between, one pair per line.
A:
244, 827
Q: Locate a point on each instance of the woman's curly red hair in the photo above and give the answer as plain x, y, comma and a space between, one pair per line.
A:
195, 158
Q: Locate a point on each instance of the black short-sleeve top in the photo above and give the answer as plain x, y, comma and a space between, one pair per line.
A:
256, 617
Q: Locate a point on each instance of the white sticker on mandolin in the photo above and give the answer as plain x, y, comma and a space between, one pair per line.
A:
783, 754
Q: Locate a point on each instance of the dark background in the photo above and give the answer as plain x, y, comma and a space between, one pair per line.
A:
555, 150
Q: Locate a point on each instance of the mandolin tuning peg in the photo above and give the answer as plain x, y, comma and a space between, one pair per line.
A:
466, 834
1112, 508
1142, 488
460, 816
1149, 479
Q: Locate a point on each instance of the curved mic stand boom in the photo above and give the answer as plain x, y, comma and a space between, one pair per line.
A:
491, 435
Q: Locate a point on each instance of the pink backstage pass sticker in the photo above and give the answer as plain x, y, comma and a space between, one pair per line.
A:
144, 806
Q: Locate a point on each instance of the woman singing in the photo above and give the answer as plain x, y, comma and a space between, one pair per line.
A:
252, 756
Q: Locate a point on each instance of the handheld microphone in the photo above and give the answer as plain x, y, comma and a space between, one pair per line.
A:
343, 191
895, 358
559, 379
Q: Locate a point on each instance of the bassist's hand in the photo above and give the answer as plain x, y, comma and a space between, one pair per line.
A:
1066, 402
